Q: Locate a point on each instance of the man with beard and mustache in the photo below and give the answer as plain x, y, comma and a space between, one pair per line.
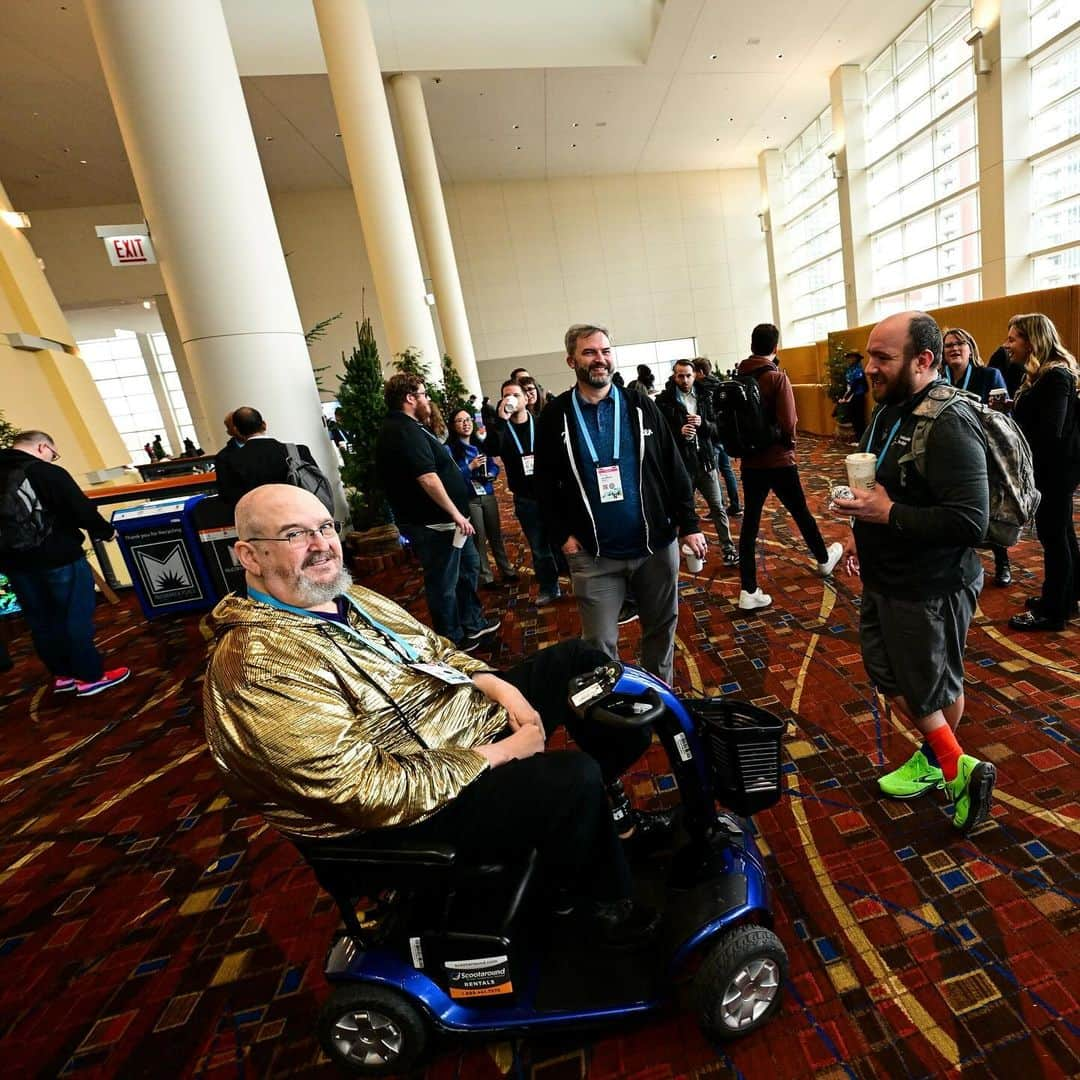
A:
335, 713
913, 546
614, 494
430, 500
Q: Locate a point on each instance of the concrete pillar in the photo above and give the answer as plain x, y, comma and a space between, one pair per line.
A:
1003, 108
771, 179
422, 175
173, 81
847, 88
43, 383
364, 119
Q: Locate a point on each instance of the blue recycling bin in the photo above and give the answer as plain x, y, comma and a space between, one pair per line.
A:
161, 547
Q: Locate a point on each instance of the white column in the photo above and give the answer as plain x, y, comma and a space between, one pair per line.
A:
1003, 104
364, 119
174, 86
771, 214
847, 88
422, 177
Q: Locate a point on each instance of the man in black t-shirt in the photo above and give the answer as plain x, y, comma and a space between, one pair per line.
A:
430, 501
513, 439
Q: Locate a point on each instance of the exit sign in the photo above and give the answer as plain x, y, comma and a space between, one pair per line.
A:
127, 245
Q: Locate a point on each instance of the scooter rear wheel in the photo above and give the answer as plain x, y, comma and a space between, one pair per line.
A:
370, 1031
738, 987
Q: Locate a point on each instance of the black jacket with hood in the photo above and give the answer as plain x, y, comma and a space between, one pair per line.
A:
699, 453
667, 495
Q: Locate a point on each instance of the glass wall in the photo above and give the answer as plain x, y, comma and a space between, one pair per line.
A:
922, 181
1055, 142
658, 355
810, 249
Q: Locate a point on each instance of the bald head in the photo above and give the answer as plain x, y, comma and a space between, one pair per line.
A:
266, 510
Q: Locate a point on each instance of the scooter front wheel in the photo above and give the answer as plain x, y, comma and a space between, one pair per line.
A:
738, 987
370, 1031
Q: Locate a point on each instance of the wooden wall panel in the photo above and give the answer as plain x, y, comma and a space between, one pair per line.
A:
800, 363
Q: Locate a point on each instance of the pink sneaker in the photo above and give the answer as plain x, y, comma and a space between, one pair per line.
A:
110, 678
62, 686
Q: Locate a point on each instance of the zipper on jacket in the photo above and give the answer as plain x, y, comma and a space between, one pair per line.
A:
641, 477
577, 477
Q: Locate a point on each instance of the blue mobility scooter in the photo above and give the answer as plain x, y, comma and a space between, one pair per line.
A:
454, 950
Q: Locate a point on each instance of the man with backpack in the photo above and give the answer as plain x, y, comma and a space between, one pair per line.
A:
42, 512
756, 419
913, 546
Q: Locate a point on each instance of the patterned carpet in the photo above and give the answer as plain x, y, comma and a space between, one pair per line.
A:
148, 927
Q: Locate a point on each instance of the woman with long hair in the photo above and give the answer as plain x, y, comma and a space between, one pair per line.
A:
467, 449
1046, 410
964, 367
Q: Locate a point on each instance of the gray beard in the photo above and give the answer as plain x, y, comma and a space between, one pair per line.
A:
311, 593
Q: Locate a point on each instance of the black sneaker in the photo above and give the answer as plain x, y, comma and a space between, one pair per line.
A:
628, 613
619, 923
734, 511
489, 627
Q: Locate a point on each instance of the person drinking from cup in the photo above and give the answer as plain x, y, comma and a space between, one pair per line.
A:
467, 448
913, 544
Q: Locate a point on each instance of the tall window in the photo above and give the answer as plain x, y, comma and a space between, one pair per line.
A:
1055, 142
659, 355
811, 232
924, 171
178, 402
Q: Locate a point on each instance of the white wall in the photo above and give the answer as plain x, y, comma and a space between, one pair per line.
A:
651, 256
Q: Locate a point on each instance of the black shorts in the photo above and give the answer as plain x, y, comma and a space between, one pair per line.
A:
915, 648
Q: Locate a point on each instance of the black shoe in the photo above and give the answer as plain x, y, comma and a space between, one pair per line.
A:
734, 511
623, 922
1031, 620
654, 830
1003, 575
627, 614
489, 627
1034, 603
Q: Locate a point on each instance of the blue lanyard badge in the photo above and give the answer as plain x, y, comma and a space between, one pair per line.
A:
967, 375
585, 431
888, 441
402, 649
517, 442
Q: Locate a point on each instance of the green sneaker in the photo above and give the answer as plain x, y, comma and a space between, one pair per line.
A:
971, 792
915, 777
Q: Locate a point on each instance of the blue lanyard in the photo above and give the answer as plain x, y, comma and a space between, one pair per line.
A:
967, 376
585, 431
888, 441
402, 648
513, 435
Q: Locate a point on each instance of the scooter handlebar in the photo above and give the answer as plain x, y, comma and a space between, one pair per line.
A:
629, 710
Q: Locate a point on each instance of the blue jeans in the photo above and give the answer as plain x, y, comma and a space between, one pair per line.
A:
450, 575
723, 463
547, 573
58, 605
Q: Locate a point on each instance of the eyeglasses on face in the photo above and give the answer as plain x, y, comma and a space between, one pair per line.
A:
52, 450
300, 538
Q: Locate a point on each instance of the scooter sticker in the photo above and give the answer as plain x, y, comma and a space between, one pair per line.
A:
683, 747
417, 952
582, 696
486, 976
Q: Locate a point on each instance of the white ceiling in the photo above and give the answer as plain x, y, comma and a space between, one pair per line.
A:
593, 86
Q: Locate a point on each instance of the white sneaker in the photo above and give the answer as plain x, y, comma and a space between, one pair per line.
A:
829, 565
750, 601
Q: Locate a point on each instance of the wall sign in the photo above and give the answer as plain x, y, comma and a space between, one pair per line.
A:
127, 245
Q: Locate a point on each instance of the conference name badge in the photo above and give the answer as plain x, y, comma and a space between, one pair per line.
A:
609, 482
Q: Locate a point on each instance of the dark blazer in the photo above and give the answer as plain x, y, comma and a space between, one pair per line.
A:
259, 461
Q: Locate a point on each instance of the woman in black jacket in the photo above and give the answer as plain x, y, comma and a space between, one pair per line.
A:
1046, 410
964, 367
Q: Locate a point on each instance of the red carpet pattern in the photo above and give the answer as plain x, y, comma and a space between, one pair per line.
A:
149, 927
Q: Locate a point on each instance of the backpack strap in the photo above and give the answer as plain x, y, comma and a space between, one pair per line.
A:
940, 397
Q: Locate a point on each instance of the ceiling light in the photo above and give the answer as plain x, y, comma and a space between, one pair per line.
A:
82, 161
15, 218
714, 56
268, 138
148, 304
573, 146
779, 56
731, 119
337, 134
517, 147
516, 126
575, 124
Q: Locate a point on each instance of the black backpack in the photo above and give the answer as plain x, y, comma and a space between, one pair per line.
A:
24, 524
305, 474
742, 419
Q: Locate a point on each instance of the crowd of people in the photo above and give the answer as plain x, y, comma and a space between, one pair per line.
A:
340, 713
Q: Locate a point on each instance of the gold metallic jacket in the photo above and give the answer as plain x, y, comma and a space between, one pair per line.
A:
300, 716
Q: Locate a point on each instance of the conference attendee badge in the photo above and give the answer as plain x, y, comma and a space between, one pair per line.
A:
527, 463
479, 488
443, 672
609, 482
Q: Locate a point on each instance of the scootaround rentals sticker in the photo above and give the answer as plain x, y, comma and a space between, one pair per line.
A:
486, 976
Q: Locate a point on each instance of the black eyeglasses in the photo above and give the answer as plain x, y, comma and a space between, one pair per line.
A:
299, 538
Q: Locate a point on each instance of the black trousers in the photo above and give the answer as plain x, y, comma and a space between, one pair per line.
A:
554, 802
1057, 533
757, 483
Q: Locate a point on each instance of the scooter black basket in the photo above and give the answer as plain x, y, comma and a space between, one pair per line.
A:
743, 745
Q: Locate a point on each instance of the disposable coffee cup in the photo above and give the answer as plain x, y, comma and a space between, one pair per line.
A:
694, 563
861, 470
459, 537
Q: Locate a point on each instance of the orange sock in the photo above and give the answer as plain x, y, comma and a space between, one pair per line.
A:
946, 749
